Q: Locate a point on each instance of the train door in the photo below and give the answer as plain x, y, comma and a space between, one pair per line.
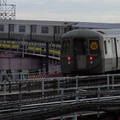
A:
80, 53
114, 53
66, 57
56, 33
118, 51
11, 31
33, 32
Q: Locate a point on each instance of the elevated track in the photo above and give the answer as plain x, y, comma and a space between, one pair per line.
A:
31, 48
42, 54
43, 98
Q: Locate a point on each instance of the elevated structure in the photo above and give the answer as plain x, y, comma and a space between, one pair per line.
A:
52, 97
7, 11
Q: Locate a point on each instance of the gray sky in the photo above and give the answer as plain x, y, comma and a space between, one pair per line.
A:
107, 11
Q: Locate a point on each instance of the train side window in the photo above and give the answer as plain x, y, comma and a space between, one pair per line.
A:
105, 46
21, 28
45, 30
1, 27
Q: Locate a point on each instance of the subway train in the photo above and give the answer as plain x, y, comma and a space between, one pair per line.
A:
90, 51
33, 30
33, 35
38, 30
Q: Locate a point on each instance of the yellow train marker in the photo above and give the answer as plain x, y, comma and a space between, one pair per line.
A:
94, 45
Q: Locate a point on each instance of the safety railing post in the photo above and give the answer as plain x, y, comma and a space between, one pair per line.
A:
9, 86
20, 96
98, 113
98, 92
113, 80
77, 90
62, 93
108, 81
75, 116
77, 95
43, 87
76, 84
4, 91
58, 86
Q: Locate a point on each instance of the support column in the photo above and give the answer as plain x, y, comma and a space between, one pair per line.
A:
47, 57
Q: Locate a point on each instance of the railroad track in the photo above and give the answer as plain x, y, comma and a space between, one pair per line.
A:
30, 96
40, 109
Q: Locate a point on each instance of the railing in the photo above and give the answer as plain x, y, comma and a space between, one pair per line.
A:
26, 48
54, 86
52, 96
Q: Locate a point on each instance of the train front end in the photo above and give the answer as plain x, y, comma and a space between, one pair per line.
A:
80, 53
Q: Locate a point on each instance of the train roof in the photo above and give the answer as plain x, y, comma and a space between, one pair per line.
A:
92, 32
92, 25
37, 22
107, 32
85, 25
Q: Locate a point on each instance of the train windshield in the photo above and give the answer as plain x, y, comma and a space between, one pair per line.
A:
66, 47
80, 46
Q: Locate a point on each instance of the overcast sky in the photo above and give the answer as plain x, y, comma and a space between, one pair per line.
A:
105, 11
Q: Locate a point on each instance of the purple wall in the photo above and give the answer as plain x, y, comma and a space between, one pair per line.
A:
20, 63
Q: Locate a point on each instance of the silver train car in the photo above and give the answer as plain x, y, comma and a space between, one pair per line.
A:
33, 30
92, 51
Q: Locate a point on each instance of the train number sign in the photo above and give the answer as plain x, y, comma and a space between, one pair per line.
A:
94, 45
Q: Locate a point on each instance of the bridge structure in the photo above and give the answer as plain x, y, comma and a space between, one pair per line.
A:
24, 55
29, 96
57, 98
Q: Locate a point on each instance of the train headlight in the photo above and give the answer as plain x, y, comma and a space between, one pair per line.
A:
69, 62
91, 62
